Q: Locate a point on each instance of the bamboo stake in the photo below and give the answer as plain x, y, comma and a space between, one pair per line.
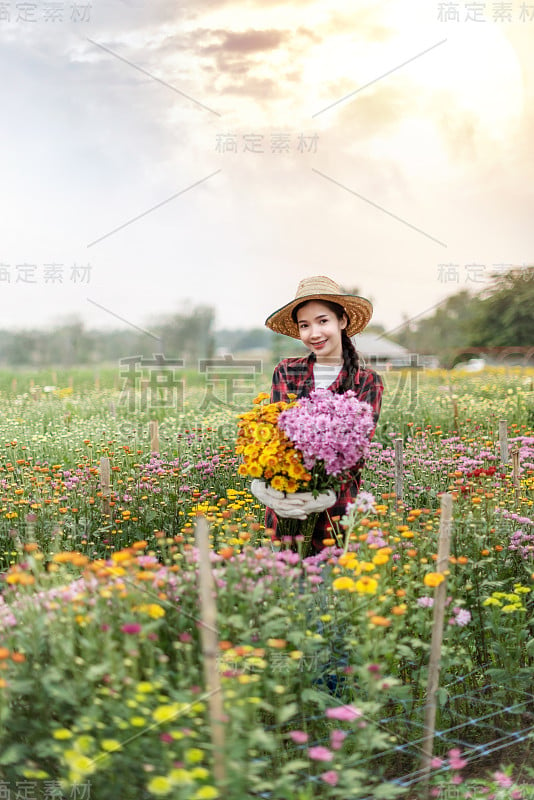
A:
440, 596
399, 470
210, 650
105, 485
154, 435
503, 441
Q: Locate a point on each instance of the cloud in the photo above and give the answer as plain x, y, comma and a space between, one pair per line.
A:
250, 41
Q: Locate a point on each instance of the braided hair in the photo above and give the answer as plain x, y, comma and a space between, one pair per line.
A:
351, 361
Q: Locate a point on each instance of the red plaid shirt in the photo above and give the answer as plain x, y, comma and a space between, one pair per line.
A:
295, 375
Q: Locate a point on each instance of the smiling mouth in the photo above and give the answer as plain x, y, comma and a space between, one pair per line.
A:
319, 344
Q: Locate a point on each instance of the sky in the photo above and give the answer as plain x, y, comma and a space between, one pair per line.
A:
158, 156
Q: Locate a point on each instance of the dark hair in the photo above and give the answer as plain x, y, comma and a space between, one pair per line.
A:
351, 362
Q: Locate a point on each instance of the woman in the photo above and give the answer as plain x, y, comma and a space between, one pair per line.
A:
324, 319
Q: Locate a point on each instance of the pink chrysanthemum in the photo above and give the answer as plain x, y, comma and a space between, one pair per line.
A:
328, 427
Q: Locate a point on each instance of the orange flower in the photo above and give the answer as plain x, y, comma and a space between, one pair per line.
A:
4, 652
278, 644
382, 622
18, 658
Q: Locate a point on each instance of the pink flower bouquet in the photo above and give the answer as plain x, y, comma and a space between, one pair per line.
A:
332, 431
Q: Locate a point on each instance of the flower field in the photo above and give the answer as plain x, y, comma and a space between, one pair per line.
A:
323, 661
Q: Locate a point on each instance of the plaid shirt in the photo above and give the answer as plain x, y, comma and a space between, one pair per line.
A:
295, 375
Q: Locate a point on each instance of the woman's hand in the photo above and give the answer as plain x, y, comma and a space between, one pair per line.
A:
298, 505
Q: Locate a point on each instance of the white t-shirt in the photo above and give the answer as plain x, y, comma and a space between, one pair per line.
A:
324, 375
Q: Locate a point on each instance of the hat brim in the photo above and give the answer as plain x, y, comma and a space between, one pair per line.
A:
358, 310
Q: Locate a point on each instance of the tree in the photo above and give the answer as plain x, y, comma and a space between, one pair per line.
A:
504, 315
443, 333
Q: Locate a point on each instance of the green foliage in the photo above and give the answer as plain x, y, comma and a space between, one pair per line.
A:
505, 318
500, 316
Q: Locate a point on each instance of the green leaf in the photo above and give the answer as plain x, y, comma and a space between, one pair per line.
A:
96, 672
295, 766
45, 749
14, 753
311, 696
262, 739
286, 712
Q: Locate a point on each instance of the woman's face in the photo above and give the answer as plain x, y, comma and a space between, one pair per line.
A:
320, 330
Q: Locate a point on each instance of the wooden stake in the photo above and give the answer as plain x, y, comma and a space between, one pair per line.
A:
455, 407
154, 435
210, 650
14, 385
105, 485
440, 597
515, 471
503, 441
399, 470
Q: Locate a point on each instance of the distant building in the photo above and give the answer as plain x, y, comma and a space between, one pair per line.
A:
375, 349
382, 353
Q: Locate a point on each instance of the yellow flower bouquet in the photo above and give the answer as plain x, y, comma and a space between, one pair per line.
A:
267, 452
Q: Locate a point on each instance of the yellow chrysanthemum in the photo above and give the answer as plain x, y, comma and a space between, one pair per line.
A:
344, 584
366, 585
433, 579
159, 786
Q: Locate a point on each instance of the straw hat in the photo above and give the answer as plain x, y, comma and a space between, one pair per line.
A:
358, 309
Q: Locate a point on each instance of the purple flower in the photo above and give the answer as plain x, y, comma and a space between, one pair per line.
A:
131, 627
336, 739
462, 618
299, 737
425, 601
344, 713
320, 753
455, 759
502, 779
330, 777
332, 428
